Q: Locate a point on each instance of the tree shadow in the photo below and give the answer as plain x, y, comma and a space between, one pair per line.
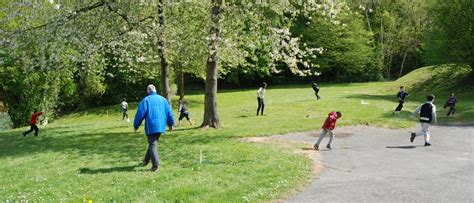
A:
186, 129
386, 97
110, 170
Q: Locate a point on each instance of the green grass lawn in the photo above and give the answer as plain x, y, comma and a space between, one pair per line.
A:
94, 154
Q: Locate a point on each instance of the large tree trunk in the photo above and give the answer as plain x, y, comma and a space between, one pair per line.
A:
403, 62
211, 118
165, 79
3, 103
382, 48
180, 78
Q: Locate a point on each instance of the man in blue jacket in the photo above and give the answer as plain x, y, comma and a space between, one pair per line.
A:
157, 114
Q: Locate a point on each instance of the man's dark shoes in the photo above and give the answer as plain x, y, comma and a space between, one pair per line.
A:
144, 163
328, 146
427, 144
316, 147
154, 169
412, 137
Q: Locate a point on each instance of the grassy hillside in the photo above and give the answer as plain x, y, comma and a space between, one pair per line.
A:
94, 154
441, 81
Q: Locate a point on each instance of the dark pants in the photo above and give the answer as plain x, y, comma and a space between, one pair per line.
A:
316, 92
184, 115
124, 114
152, 153
33, 127
451, 111
261, 105
400, 105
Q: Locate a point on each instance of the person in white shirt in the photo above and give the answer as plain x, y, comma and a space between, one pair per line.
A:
124, 105
260, 98
427, 113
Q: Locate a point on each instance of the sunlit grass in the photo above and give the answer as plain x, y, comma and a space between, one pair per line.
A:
94, 154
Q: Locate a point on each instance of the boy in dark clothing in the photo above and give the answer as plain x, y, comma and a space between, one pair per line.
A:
401, 99
427, 113
328, 127
315, 87
183, 113
451, 103
33, 122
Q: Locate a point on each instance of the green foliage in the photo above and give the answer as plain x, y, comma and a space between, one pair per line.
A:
451, 37
347, 53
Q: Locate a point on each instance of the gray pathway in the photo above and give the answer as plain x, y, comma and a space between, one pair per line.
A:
381, 165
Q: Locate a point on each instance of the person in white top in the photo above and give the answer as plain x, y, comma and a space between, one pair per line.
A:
260, 98
427, 113
124, 105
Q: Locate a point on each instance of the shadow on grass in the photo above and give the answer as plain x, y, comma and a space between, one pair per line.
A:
85, 143
109, 170
186, 129
386, 97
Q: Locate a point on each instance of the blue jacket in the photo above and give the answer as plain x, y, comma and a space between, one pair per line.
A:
157, 114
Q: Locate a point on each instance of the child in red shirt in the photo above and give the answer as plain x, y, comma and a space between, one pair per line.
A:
33, 122
328, 127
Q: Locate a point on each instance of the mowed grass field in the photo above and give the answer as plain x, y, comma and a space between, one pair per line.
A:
95, 155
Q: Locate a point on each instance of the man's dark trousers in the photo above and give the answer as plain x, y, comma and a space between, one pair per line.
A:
400, 105
152, 153
33, 127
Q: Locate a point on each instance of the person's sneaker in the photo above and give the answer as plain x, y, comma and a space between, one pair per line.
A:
328, 146
154, 169
144, 163
316, 147
427, 144
412, 137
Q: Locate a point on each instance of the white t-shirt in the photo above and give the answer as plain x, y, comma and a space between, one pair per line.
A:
124, 105
261, 92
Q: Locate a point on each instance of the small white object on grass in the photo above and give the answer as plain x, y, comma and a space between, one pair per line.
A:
45, 122
362, 102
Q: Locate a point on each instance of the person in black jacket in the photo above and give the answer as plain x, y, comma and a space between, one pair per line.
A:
451, 103
401, 99
427, 113
315, 87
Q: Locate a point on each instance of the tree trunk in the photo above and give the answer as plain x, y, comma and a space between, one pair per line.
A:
211, 118
403, 62
165, 79
382, 48
389, 65
180, 84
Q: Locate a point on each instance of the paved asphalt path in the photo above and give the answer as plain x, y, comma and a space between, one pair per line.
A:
370, 164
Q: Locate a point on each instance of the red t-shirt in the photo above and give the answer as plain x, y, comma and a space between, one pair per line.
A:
34, 117
330, 122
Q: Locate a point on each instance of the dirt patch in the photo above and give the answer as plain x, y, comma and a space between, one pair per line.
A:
299, 148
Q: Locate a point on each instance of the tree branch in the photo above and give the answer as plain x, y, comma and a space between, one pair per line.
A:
62, 20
